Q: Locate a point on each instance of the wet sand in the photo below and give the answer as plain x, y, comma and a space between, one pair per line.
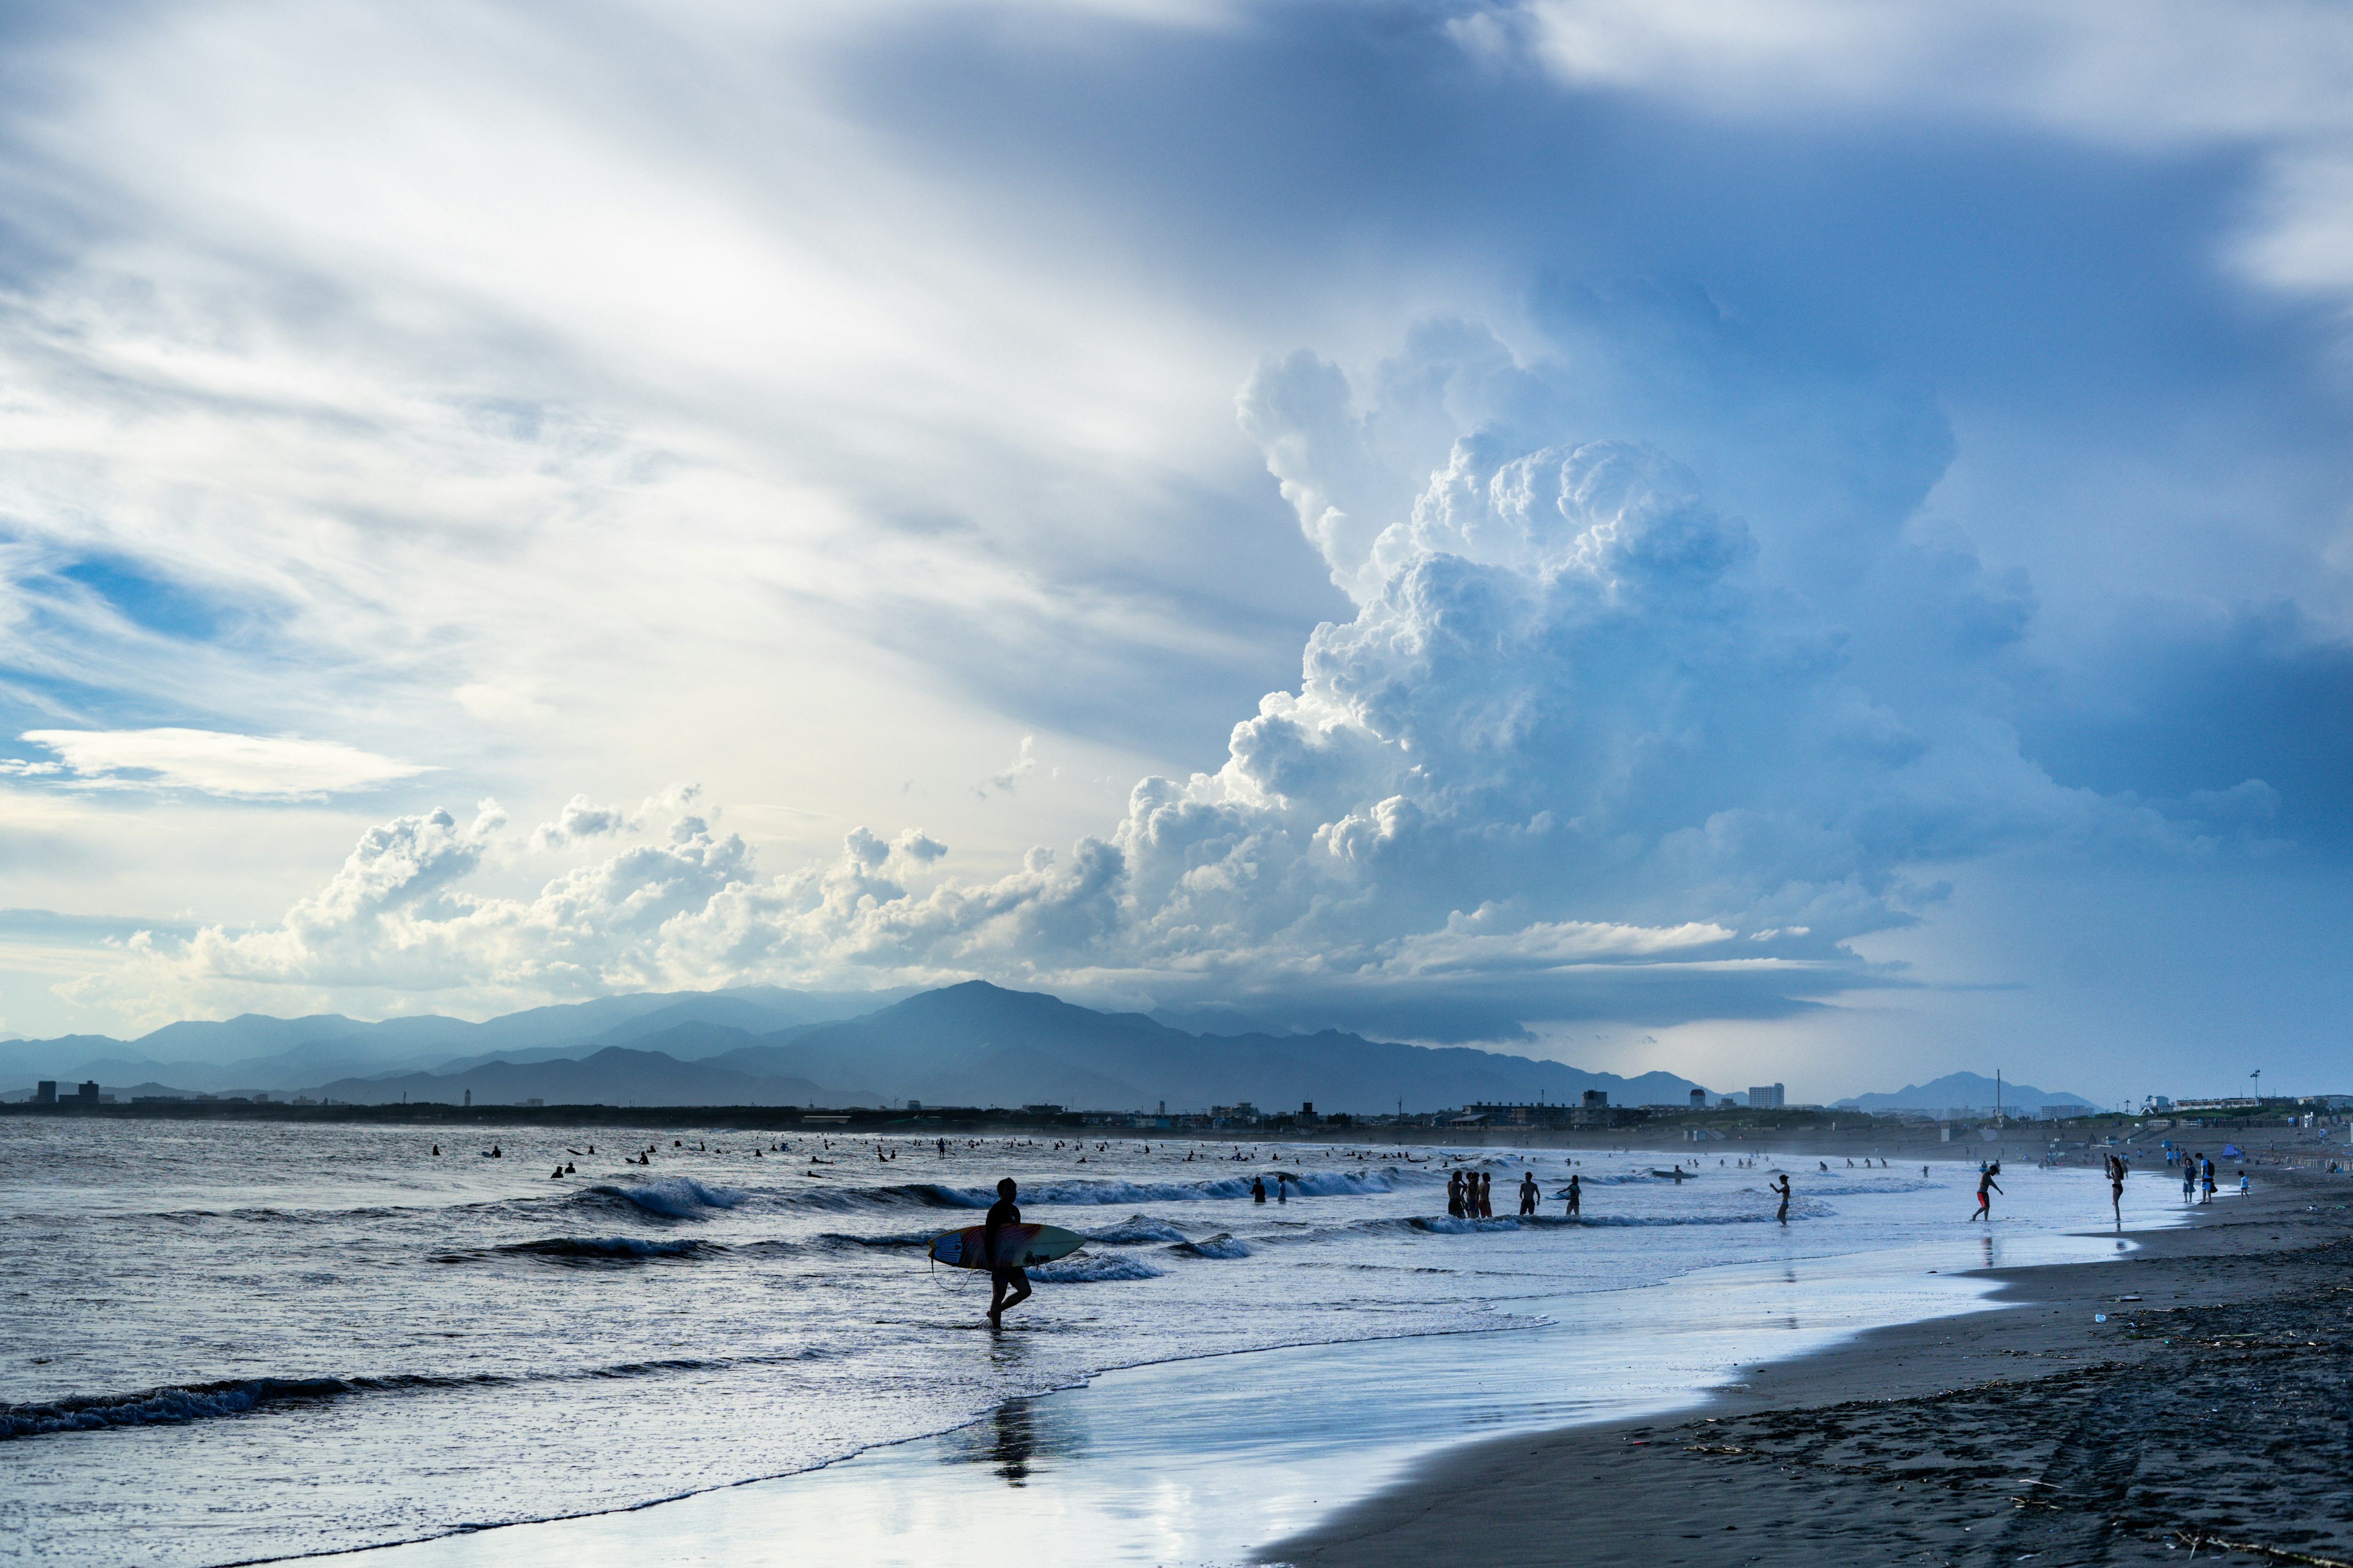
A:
2214, 1413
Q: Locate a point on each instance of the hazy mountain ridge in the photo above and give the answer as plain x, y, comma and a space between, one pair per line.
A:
255, 1051
1963, 1091
972, 1044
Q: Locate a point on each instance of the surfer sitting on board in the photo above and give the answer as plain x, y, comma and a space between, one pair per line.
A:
1002, 1212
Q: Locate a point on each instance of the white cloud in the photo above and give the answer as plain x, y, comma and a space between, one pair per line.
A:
1024, 762
1567, 730
1485, 942
454, 380
246, 767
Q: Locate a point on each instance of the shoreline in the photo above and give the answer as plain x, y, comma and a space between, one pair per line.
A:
1272, 1444
2194, 1416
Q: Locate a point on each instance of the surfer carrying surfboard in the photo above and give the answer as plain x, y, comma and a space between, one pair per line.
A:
1002, 1278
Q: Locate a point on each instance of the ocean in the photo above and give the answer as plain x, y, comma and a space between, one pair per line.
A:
234, 1342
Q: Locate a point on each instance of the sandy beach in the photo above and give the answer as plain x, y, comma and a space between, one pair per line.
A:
2208, 1411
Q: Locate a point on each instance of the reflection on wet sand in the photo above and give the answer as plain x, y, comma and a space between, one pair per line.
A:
1016, 1437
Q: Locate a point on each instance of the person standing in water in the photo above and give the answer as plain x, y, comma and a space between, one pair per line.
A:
1782, 1215
2117, 1169
1985, 1202
1454, 1193
1258, 1189
1008, 1282
1486, 1196
1528, 1192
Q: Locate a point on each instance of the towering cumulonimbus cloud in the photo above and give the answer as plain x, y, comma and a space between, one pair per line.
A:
1572, 731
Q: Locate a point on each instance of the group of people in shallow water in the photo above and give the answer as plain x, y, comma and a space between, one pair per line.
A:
1470, 1195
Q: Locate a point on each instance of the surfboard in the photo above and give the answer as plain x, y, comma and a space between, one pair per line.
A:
1018, 1246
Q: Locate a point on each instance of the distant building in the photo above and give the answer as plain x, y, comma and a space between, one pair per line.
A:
534, 1103
1518, 1113
1042, 1110
1699, 1099
2061, 1113
1597, 1099
88, 1093
1765, 1097
46, 1092
1240, 1110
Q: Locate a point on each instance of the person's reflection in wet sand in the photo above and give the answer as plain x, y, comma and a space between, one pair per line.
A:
1013, 1441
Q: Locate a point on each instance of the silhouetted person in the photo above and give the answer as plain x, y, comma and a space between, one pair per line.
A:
1575, 1195
2116, 1168
1486, 1196
1782, 1215
1984, 1201
1258, 1189
1003, 1278
1528, 1192
1454, 1193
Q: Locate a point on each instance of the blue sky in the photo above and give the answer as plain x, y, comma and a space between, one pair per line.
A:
1777, 542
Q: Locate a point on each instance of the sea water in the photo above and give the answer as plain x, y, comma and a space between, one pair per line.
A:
232, 1342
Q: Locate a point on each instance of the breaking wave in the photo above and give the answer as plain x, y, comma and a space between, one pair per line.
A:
207, 1400
601, 1250
672, 1197
1081, 1269
1136, 1230
197, 1402
1314, 1184
1219, 1246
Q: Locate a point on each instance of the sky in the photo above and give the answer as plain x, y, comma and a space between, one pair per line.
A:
1801, 542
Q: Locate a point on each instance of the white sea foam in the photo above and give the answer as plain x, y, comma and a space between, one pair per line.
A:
678, 1197
1136, 1230
1221, 1244
1084, 1268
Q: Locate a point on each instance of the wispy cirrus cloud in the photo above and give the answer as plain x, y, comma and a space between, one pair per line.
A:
210, 762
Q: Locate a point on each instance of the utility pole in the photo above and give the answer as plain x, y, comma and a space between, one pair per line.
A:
2258, 1076
1997, 1097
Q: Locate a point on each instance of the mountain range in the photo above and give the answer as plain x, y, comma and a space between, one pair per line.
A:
974, 1044
1964, 1091
256, 1052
